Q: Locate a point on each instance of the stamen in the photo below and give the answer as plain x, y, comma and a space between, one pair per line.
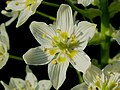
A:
61, 59
54, 61
72, 53
52, 52
64, 35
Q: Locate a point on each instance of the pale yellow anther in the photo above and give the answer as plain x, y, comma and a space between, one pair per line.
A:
16, 3
29, 2
7, 2
72, 53
52, 52
56, 38
54, 61
43, 35
28, 7
64, 35
61, 59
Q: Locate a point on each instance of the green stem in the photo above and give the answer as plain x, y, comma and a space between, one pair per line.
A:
16, 57
45, 15
104, 28
50, 4
74, 7
79, 77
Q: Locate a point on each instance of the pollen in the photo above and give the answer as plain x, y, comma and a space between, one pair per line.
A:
52, 52
7, 2
43, 35
54, 61
64, 35
61, 59
56, 38
16, 3
72, 53
28, 7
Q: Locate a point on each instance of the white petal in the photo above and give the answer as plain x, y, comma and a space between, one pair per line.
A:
30, 78
12, 19
36, 56
57, 73
12, 14
24, 15
92, 74
17, 83
36, 5
4, 36
112, 69
44, 85
81, 61
82, 86
84, 32
6, 87
40, 29
85, 2
4, 60
15, 6
64, 20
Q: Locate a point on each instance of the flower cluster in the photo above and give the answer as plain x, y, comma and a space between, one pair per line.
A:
4, 46
63, 43
30, 83
22, 9
95, 79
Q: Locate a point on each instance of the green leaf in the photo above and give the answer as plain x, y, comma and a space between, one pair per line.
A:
114, 8
91, 13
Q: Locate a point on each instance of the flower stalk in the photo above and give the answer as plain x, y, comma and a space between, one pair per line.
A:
15, 57
104, 28
50, 4
45, 15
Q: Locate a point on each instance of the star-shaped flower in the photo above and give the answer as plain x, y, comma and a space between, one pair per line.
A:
61, 43
106, 79
25, 8
30, 83
4, 46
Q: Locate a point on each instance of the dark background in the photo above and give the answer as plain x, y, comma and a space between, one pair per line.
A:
21, 40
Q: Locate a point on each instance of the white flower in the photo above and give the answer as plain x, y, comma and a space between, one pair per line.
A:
30, 83
61, 43
13, 15
4, 46
116, 36
107, 79
25, 8
85, 2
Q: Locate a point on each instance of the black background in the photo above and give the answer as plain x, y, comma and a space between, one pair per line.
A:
21, 40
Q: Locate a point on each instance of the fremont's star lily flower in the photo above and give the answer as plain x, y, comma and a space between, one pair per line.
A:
4, 46
13, 15
25, 8
61, 43
30, 83
85, 2
106, 79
